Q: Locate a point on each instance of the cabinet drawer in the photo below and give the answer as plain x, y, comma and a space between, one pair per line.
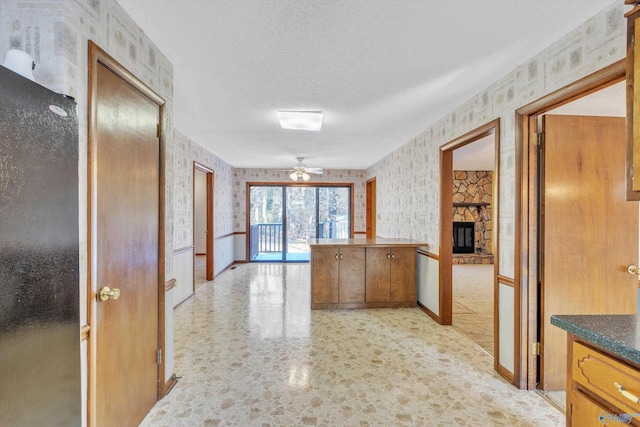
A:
612, 380
587, 413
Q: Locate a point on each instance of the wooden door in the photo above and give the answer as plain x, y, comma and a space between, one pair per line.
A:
403, 275
352, 274
378, 275
325, 270
125, 215
371, 209
589, 231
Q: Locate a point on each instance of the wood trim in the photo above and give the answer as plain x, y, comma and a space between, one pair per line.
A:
428, 254
248, 185
635, 9
209, 202
85, 330
504, 280
360, 232
370, 211
446, 211
429, 312
505, 373
224, 236
526, 245
238, 232
98, 57
183, 249
171, 283
631, 105
170, 384
495, 218
445, 250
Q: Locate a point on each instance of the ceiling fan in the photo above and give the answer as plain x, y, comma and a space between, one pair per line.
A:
301, 173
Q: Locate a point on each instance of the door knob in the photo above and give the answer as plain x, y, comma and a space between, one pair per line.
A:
106, 293
632, 269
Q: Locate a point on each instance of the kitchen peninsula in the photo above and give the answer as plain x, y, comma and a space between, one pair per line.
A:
363, 273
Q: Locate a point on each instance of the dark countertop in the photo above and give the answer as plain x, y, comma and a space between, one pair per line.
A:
618, 333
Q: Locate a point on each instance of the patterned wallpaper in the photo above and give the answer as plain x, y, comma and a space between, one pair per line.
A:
408, 206
242, 176
186, 152
56, 33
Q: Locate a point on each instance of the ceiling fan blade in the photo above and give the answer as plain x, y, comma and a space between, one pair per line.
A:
314, 170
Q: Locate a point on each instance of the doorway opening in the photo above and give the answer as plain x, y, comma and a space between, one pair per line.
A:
469, 173
283, 218
203, 235
547, 178
371, 208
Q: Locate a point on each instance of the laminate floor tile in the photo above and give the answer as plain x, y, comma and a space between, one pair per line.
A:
252, 353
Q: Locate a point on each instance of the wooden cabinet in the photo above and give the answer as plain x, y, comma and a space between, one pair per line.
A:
601, 385
391, 275
363, 273
338, 275
633, 104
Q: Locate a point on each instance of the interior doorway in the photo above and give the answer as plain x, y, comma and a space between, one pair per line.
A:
203, 235
126, 244
605, 227
468, 174
580, 143
371, 208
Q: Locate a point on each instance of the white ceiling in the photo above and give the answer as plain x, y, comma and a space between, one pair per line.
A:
381, 71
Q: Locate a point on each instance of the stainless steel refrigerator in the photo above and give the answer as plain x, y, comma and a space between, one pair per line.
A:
39, 256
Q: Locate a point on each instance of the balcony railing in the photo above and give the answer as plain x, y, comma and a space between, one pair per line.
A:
333, 230
265, 238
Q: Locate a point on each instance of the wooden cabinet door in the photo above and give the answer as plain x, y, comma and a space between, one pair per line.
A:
325, 270
352, 273
587, 413
403, 274
633, 107
378, 275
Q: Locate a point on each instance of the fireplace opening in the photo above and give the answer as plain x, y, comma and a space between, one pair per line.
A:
463, 237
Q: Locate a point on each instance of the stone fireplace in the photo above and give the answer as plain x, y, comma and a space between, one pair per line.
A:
472, 205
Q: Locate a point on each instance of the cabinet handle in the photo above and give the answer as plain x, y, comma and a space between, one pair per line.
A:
388, 255
623, 391
336, 256
341, 255
393, 256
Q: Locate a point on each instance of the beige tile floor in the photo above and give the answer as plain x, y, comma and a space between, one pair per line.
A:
473, 303
200, 275
252, 353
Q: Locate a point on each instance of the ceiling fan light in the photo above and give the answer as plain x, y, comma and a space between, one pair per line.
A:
306, 177
300, 120
294, 176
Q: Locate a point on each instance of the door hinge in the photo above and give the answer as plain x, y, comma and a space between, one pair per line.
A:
535, 349
158, 130
540, 139
160, 356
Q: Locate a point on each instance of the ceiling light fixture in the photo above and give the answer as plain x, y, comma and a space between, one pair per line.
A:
300, 120
299, 176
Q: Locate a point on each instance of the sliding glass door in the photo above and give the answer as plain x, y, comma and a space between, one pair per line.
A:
284, 217
301, 222
266, 210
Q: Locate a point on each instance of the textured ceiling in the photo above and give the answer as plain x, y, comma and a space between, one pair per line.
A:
381, 71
